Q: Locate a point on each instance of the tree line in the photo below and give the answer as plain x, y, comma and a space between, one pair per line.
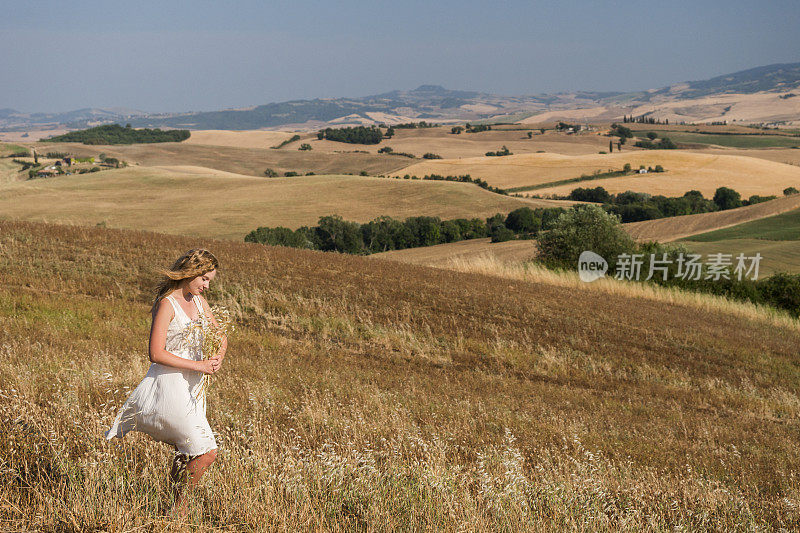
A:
499, 153
643, 119
334, 234
637, 206
664, 143
466, 178
414, 125
116, 134
352, 135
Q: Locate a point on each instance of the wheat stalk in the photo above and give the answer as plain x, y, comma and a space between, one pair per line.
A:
208, 337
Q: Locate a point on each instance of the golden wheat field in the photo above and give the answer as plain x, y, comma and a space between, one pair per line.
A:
441, 142
789, 156
240, 139
245, 160
515, 251
210, 203
371, 395
684, 171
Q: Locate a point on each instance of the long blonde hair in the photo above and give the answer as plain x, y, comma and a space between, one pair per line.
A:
195, 262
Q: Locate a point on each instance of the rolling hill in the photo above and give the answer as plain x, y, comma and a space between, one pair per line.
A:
216, 204
750, 95
515, 251
684, 171
359, 393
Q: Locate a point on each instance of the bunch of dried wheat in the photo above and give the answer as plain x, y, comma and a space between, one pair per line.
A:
208, 337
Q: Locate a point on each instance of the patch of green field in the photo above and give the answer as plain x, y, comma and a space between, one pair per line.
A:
733, 141
783, 227
7, 149
776, 256
776, 238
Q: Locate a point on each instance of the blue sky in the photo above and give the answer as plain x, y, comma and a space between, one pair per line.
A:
182, 56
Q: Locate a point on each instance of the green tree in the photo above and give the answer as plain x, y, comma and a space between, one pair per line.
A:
651, 135
338, 235
381, 235
270, 173
698, 203
451, 231
523, 220
494, 221
502, 234
621, 131
727, 198
305, 147
426, 230
586, 194
789, 191
584, 227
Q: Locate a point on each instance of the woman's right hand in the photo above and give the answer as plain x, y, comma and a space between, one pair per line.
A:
208, 366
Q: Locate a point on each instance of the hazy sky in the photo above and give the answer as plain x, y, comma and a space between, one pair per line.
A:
203, 55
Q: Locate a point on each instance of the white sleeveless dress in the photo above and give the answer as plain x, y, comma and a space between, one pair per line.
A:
169, 404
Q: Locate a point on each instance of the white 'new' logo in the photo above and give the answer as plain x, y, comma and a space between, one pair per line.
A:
591, 266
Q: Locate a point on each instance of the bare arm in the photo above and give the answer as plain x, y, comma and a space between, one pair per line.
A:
158, 341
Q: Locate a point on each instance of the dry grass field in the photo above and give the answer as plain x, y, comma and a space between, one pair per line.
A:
685, 171
788, 156
441, 142
508, 252
369, 395
209, 203
30, 135
239, 139
250, 152
247, 161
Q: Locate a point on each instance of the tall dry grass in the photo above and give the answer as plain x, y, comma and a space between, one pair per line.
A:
530, 271
363, 395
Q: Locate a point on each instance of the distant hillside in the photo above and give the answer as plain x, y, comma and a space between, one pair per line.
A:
777, 77
427, 102
11, 119
434, 103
